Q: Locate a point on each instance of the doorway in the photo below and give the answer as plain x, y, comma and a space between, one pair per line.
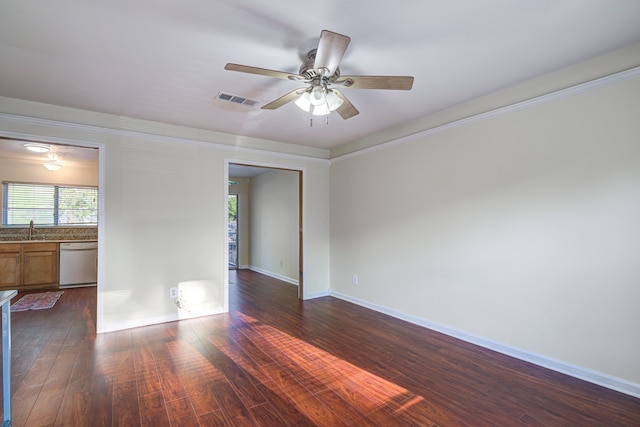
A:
79, 166
268, 226
232, 231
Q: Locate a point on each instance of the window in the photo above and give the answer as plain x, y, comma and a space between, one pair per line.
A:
47, 204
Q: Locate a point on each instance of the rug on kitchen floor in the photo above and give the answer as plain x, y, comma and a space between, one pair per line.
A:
37, 301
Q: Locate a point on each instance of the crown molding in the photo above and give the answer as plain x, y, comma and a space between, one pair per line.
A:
204, 138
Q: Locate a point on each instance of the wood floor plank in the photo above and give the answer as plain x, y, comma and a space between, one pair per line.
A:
38, 373
202, 396
146, 371
22, 403
60, 372
240, 380
153, 412
343, 410
266, 416
80, 378
46, 406
49, 397
125, 408
181, 413
233, 410
74, 410
172, 386
284, 405
213, 419
100, 407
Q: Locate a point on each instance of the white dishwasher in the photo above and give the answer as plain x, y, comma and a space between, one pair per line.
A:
78, 264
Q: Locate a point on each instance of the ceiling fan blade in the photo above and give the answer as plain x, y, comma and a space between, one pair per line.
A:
331, 48
346, 110
376, 82
263, 72
284, 99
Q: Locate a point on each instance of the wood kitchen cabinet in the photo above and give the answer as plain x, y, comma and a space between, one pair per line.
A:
28, 265
10, 254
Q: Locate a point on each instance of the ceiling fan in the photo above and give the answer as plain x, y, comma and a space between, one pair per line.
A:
320, 71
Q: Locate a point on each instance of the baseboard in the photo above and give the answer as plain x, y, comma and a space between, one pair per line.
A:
591, 376
317, 295
274, 275
148, 321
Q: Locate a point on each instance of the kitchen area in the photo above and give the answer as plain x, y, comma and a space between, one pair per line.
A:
48, 233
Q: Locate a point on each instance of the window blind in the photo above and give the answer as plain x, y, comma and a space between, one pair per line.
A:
46, 204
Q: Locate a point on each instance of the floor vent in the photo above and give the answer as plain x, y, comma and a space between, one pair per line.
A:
223, 96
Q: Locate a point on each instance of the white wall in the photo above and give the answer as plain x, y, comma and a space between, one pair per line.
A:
164, 208
522, 229
274, 224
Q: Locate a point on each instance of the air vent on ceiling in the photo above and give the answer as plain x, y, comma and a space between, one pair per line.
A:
224, 96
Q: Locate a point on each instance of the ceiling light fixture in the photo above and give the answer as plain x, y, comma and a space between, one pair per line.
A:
319, 101
37, 148
52, 165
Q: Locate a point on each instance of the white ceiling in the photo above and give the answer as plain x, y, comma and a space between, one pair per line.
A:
164, 60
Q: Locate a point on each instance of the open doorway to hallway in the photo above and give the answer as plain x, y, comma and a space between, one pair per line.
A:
233, 231
266, 235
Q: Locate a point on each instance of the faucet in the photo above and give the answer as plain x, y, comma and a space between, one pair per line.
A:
31, 230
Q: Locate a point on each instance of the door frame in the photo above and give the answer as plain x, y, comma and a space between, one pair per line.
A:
301, 215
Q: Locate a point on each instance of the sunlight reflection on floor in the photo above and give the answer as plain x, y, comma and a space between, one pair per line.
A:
320, 369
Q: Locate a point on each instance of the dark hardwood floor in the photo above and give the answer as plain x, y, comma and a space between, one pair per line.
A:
276, 361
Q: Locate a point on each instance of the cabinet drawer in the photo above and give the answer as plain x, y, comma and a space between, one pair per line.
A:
9, 248
39, 247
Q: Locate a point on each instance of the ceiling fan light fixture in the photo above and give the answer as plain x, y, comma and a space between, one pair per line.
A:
333, 100
37, 148
320, 110
317, 96
304, 102
330, 101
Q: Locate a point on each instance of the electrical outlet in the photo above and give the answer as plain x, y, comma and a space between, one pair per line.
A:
354, 279
173, 292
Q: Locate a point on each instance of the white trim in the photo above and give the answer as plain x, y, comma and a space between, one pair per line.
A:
15, 118
46, 138
148, 321
274, 275
517, 106
102, 238
591, 376
225, 240
321, 294
267, 165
